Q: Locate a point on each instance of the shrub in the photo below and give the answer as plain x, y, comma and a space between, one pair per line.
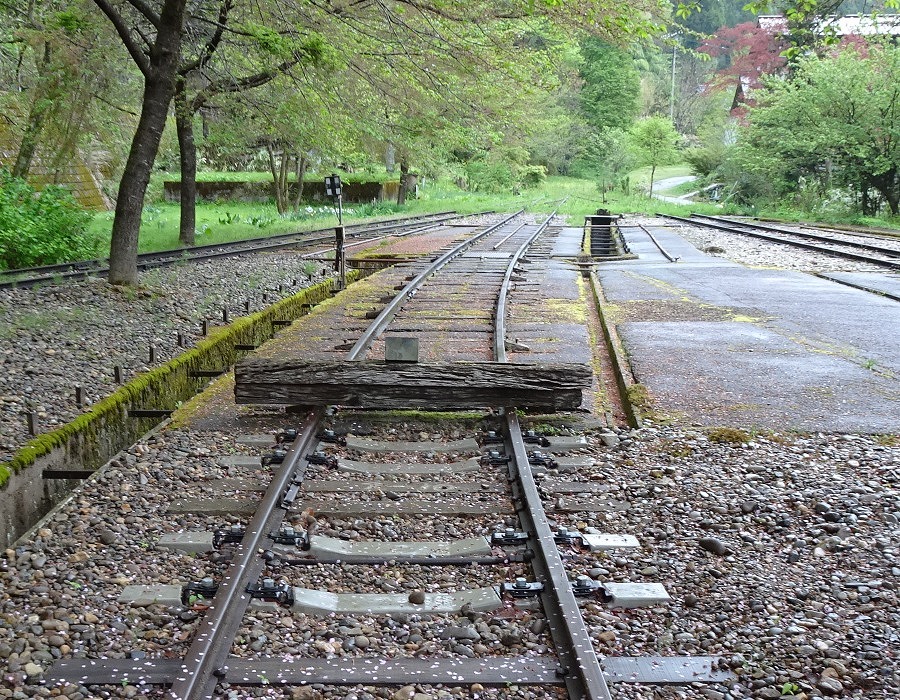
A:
40, 228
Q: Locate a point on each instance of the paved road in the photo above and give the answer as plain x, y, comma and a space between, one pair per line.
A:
670, 183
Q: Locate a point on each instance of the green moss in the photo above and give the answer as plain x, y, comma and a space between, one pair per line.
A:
639, 397
162, 386
727, 435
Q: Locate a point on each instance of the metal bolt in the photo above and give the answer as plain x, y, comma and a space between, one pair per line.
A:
207, 581
288, 531
521, 583
583, 581
268, 583
510, 532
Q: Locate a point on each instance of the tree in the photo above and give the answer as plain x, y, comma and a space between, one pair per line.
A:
152, 35
238, 55
837, 115
745, 54
53, 74
609, 95
654, 139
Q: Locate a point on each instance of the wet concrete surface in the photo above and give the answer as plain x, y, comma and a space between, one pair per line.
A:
723, 344
884, 283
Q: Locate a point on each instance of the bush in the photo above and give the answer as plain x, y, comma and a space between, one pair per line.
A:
533, 175
41, 228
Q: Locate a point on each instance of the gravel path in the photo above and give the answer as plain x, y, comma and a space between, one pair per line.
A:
56, 337
757, 253
780, 555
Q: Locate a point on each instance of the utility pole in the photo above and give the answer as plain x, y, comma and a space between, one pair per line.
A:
672, 91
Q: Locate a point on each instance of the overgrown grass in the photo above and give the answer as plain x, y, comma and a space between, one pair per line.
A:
228, 221
219, 222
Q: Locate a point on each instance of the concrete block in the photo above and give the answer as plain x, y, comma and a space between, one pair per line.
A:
245, 461
256, 440
187, 542
381, 447
332, 547
603, 542
565, 443
635, 595
144, 595
348, 465
314, 602
401, 349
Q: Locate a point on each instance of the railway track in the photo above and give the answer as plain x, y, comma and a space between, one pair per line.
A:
847, 247
29, 277
454, 546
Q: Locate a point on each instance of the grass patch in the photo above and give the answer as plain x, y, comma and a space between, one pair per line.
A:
725, 435
639, 397
219, 222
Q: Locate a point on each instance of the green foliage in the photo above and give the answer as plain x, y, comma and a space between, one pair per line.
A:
834, 123
654, 140
609, 96
40, 228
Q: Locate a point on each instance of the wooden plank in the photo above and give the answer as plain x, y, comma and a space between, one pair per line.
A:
388, 385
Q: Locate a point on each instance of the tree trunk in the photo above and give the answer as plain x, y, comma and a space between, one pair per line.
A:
888, 184
275, 169
187, 150
390, 162
135, 178
652, 173
159, 86
37, 115
300, 172
404, 183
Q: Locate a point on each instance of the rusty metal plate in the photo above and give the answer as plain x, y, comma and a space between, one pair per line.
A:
664, 670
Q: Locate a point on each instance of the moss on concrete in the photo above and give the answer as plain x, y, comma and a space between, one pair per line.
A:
94, 436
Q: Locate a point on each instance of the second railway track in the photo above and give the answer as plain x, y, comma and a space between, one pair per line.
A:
882, 254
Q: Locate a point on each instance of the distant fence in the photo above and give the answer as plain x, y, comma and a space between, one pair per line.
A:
356, 192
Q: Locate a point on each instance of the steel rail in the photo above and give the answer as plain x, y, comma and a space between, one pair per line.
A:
893, 265
384, 318
800, 234
506, 238
178, 252
581, 669
500, 319
82, 269
215, 634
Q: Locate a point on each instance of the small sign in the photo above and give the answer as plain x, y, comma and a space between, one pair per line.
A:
333, 185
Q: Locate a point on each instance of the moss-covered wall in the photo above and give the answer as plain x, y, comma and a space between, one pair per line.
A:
94, 437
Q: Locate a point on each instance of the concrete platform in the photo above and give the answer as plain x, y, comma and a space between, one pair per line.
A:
717, 343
